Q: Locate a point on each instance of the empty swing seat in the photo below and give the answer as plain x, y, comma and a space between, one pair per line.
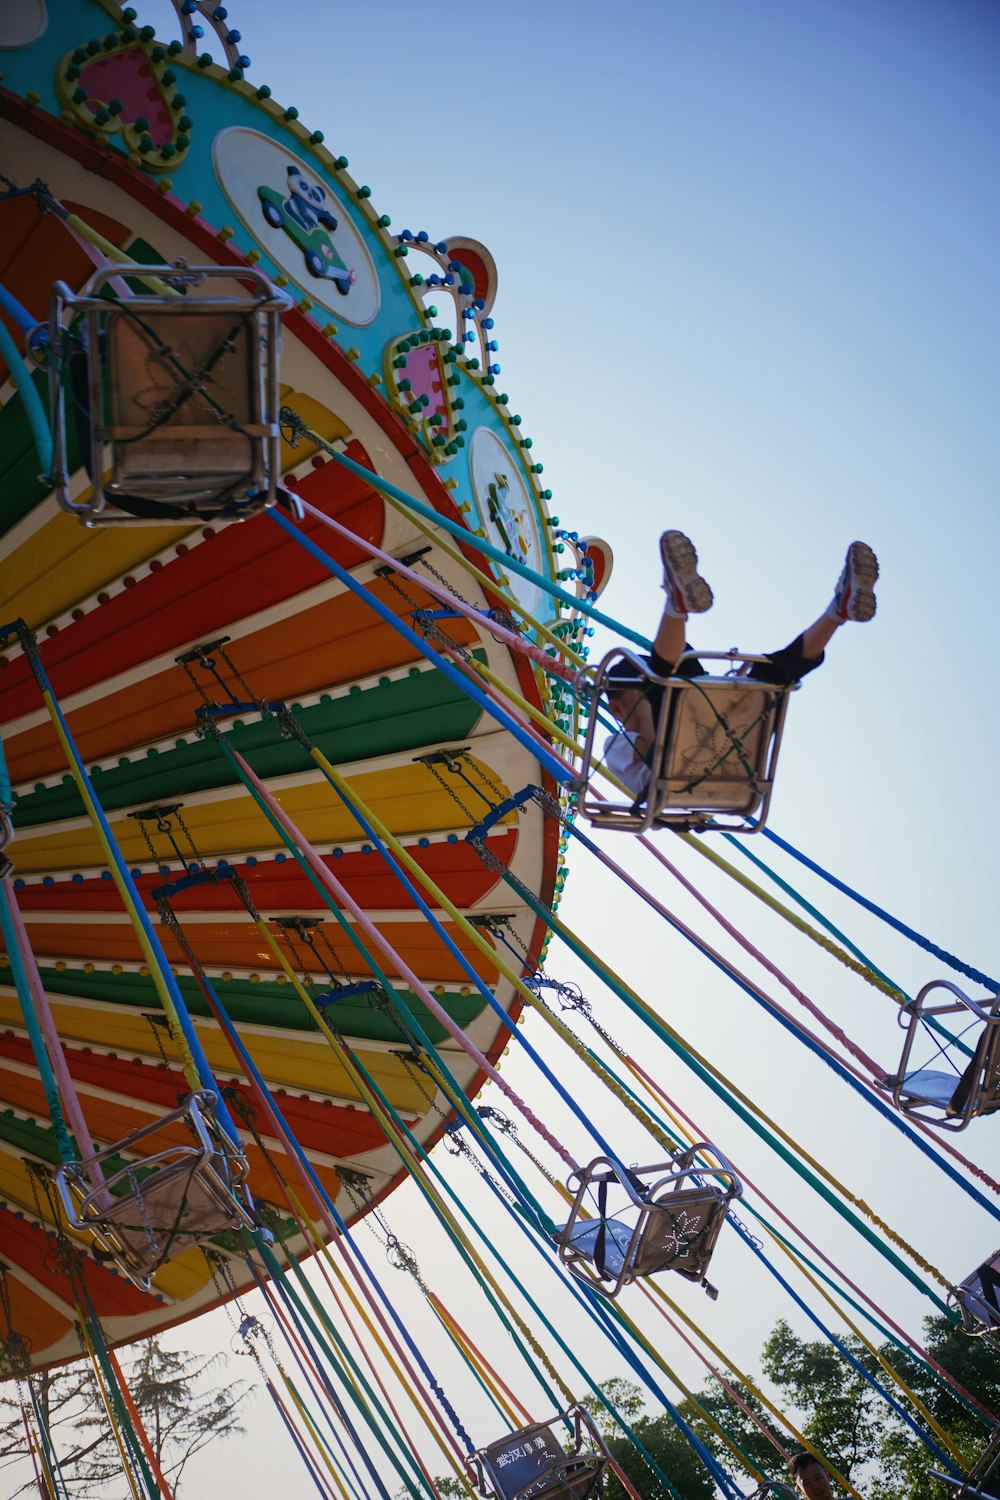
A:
949, 1097
155, 1207
714, 754
532, 1464
177, 396
665, 1217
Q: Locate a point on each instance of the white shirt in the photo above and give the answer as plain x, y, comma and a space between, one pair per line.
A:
622, 758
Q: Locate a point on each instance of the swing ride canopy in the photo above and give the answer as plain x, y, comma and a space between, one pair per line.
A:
290, 788
147, 153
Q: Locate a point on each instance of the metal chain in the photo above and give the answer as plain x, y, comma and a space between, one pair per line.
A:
442, 580
450, 790
497, 791
389, 576
157, 1022
287, 925
508, 1127
397, 1252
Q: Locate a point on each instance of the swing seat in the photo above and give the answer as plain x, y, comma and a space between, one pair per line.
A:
977, 1302
714, 754
982, 1471
665, 1217
532, 1464
177, 396
176, 1197
948, 1099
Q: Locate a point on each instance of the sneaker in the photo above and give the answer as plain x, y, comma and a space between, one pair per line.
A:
687, 592
854, 597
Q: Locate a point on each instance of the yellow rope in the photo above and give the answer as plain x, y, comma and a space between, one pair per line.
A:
484, 578
513, 696
847, 959
409, 1162
159, 983
833, 1302
489, 952
416, 1398
120, 257
318, 1443
109, 1410
42, 1458
461, 1341
744, 1099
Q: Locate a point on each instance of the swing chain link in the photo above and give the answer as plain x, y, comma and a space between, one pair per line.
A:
435, 772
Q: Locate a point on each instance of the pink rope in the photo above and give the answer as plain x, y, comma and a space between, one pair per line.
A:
510, 637
50, 1035
729, 1389
373, 1370
98, 260
497, 697
831, 1026
367, 926
796, 1231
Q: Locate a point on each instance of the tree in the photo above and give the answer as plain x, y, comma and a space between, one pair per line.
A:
660, 1437
179, 1414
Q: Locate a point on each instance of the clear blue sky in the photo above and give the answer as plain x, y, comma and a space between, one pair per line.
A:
748, 286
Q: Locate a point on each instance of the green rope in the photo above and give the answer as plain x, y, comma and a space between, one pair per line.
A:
800, 900
278, 1274
715, 1084
522, 1289
289, 418
67, 1153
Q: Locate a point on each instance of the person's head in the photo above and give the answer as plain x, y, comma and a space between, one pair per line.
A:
811, 1479
624, 688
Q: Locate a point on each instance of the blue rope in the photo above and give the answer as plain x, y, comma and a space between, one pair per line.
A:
253, 1072
841, 1348
475, 978
16, 311
300, 1316
879, 1105
595, 1306
740, 845
459, 530
922, 942
322, 1489
205, 1075
31, 400
554, 766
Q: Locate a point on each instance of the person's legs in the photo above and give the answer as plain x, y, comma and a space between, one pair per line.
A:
687, 594
853, 599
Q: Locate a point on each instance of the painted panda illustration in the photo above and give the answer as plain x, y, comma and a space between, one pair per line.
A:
301, 213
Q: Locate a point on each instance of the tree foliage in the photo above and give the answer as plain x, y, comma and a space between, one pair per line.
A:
180, 1413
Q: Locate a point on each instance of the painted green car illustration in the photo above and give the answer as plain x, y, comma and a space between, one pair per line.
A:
309, 225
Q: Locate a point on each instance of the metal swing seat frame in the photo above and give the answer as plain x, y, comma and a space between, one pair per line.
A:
982, 1470
152, 1209
532, 1464
950, 1100
699, 783
977, 1301
179, 395
676, 1217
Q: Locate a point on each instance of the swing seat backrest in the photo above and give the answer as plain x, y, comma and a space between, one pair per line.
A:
943, 1098
671, 1219
176, 394
680, 1232
714, 754
716, 742
977, 1300
183, 417
531, 1464
161, 1203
